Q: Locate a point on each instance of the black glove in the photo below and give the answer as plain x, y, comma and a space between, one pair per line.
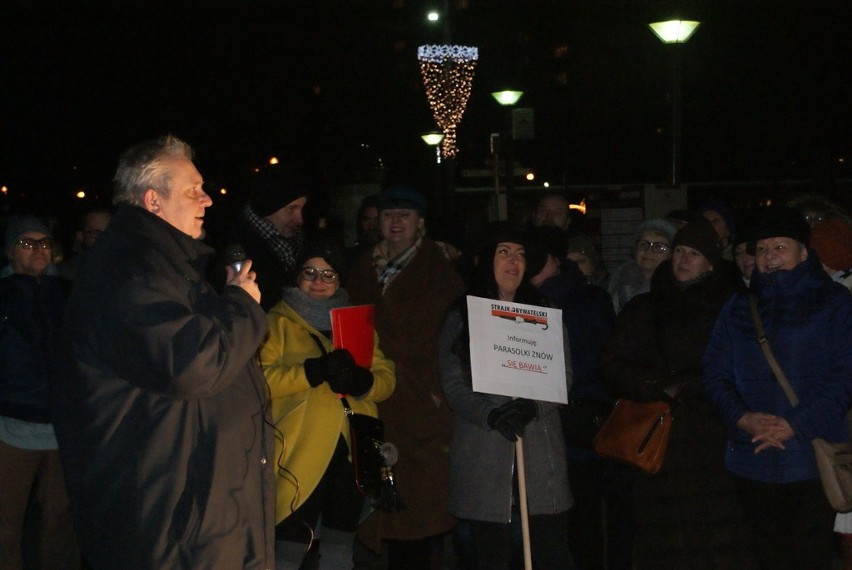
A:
355, 381
526, 410
315, 370
511, 418
322, 368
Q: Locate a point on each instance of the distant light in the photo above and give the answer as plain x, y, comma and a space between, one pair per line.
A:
841, 160
433, 16
674, 31
581, 207
80, 194
546, 184
256, 170
432, 138
4, 189
507, 97
530, 176
273, 160
223, 191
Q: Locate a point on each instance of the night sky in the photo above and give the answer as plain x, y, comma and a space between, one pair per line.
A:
767, 88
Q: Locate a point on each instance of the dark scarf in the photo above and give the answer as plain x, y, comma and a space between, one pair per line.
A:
315, 311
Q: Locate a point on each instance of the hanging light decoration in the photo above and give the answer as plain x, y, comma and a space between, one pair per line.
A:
447, 72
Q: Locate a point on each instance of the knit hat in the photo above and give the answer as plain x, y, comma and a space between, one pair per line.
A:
700, 236
326, 252
274, 187
832, 241
723, 210
781, 221
20, 225
402, 197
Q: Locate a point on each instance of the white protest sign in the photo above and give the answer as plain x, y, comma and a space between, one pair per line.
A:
517, 350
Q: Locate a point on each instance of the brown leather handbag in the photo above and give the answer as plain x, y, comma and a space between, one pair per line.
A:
636, 433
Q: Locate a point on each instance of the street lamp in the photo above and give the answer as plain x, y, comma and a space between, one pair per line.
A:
675, 32
506, 98
439, 198
434, 138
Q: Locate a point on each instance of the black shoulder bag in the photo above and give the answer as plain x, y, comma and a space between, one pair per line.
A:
372, 457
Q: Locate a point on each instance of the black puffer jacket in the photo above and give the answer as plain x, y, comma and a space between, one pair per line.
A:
162, 421
31, 311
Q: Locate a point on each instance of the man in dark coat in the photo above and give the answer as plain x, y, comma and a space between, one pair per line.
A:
162, 423
31, 306
270, 231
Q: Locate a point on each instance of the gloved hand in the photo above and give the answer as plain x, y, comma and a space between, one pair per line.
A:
511, 418
322, 368
355, 381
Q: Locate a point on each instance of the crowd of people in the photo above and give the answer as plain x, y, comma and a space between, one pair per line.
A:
167, 405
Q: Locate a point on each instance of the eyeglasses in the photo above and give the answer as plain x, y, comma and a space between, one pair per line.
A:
311, 273
815, 219
28, 243
654, 246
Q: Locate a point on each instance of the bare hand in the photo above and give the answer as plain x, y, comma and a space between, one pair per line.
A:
245, 280
754, 423
774, 436
767, 430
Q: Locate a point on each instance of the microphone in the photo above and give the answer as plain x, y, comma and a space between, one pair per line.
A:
235, 255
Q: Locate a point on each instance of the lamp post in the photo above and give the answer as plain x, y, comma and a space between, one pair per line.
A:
443, 198
675, 32
506, 98
434, 138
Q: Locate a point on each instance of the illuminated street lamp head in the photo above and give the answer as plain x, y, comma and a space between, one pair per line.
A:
508, 97
432, 138
674, 31
433, 16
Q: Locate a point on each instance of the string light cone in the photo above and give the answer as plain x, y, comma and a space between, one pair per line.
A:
447, 72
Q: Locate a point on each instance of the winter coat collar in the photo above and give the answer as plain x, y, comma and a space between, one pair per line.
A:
160, 235
806, 275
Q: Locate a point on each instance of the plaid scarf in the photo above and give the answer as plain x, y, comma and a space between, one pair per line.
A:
387, 269
287, 250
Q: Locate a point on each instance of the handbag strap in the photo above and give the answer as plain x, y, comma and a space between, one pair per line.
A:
346, 408
767, 352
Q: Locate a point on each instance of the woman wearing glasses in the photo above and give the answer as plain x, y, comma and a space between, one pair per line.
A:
651, 246
314, 476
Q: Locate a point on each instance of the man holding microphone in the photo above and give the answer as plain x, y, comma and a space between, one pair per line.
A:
161, 417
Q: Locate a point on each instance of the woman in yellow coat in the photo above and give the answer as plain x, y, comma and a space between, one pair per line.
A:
314, 472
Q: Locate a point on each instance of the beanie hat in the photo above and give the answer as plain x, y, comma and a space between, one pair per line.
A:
20, 225
781, 221
402, 197
700, 236
326, 252
274, 187
832, 241
723, 210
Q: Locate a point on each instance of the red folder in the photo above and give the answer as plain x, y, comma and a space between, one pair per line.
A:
352, 328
